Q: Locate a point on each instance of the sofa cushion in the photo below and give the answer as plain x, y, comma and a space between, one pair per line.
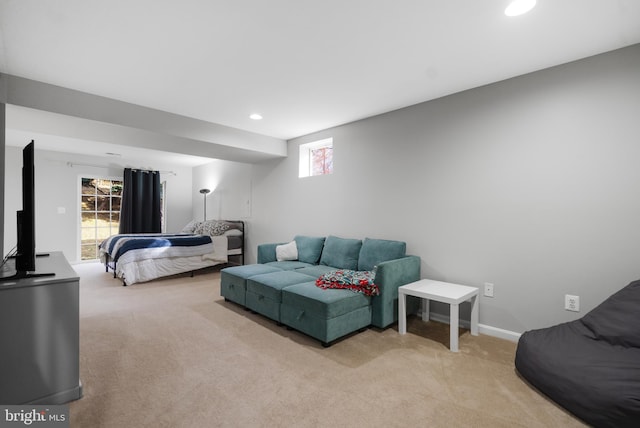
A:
247, 271
324, 304
316, 270
264, 291
341, 253
375, 251
289, 264
309, 248
270, 285
233, 280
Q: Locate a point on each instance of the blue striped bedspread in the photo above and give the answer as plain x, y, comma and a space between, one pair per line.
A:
117, 246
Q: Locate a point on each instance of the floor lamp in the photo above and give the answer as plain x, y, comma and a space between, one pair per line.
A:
204, 193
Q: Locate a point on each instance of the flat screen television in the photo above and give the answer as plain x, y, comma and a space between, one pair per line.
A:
25, 256
26, 251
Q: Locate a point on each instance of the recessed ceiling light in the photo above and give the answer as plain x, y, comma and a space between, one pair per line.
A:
519, 7
256, 116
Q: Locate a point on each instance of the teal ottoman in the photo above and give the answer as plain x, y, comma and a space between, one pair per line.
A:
233, 280
324, 314
264, 292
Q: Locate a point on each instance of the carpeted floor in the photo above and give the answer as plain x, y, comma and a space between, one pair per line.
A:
173, 353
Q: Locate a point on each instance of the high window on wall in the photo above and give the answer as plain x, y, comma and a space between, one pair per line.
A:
100, 213
316, 158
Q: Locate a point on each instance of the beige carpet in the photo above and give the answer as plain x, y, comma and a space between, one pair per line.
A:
172, 353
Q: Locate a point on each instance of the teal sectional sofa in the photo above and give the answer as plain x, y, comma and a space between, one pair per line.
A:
284, 286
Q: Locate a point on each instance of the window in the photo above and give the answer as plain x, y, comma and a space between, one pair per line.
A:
100, 213
316, 158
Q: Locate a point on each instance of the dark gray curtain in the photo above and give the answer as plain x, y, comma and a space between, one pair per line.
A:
140, 209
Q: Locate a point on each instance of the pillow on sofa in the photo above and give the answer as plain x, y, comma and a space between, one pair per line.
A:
376, 251
309, 248
287, 252
341, 253
616, 319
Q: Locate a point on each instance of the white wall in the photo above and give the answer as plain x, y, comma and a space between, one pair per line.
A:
230, 185
57, 185
531, 184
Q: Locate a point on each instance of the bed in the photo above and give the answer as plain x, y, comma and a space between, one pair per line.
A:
590, 366
141, 257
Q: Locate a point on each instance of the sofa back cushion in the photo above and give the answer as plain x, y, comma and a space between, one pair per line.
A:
341, 253
309, 248
375, 251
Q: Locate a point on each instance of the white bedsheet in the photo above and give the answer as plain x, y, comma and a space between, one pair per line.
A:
149, 269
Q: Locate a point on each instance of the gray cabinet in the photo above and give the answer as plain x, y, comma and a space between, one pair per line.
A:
39, 336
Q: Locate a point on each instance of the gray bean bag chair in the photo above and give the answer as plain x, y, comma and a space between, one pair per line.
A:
590, 366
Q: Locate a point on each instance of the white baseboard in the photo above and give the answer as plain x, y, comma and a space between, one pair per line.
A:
482, 328
499, 332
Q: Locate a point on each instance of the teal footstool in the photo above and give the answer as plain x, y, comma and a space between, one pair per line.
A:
324, 314
233, 280
264, 292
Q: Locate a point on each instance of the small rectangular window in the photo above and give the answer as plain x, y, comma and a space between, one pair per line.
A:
316, 158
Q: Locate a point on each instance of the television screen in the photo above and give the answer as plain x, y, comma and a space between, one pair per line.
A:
26, 255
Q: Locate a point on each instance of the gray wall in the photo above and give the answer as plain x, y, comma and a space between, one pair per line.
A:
531, 184
2, 145
57, 185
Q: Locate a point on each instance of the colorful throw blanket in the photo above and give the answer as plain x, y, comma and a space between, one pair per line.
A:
357, 281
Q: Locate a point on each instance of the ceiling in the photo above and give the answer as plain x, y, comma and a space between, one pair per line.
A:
303, 65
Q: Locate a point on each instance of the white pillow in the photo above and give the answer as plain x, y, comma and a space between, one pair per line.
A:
287, 251
233, 232
191, 227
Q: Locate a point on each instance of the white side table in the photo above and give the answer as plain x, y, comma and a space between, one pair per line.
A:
445, 292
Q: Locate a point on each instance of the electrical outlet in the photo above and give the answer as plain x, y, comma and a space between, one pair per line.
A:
488, 289
572, 303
